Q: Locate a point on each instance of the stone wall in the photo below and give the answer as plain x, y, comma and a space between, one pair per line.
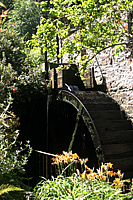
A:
116, 72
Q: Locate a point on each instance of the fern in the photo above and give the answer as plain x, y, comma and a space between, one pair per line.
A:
8, 188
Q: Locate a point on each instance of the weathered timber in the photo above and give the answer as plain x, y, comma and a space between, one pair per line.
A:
117, 150
107, 114
113, 125
116, 137
114, 129
101, 106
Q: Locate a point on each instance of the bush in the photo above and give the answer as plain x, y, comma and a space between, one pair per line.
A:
29, 87
13, 154
10, 153
7, 79
34, 57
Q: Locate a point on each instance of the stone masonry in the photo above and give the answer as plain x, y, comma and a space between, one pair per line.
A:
116, 72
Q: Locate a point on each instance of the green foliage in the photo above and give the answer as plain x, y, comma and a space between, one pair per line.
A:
95, 27
34, 57
75, 188
10, 153
12, 47
7, 79
13, 154
30, 85
88, 185
25, 84
13, 51
26, 16
5, 189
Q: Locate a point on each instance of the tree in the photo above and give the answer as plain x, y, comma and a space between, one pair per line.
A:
26, 16
12, 47
91, 25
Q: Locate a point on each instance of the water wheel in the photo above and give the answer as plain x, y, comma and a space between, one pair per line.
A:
110, 129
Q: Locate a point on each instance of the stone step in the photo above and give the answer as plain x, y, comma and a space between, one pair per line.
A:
112, 125
114, 151
98, 99
101, 106
116, 137
106, 115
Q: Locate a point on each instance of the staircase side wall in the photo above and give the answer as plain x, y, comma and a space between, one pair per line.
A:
116, 72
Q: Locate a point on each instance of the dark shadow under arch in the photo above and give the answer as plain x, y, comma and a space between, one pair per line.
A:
62, 120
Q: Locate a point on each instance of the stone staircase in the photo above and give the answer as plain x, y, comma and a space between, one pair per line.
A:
114, 128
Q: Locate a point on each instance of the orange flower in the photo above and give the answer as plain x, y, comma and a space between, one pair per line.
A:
57, 156
106, 166
75, 156
86, 160
92, 175
53, 159
84, 175
118, 182
111, 173
102, 177
109, 165
81, 161
86, 167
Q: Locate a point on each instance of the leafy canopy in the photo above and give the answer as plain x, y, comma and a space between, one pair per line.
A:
83, 24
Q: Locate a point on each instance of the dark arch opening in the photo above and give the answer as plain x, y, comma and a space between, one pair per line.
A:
61, 124
62, 120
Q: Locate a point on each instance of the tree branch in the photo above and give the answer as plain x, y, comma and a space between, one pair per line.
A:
111, 46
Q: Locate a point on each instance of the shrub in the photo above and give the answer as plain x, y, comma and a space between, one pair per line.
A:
34, 57
13, 153
7, 79
29, 87
10, 153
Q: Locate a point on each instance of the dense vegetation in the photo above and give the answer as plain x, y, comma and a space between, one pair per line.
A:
19, 76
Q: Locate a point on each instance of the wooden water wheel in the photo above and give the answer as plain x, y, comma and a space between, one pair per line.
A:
110, 129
